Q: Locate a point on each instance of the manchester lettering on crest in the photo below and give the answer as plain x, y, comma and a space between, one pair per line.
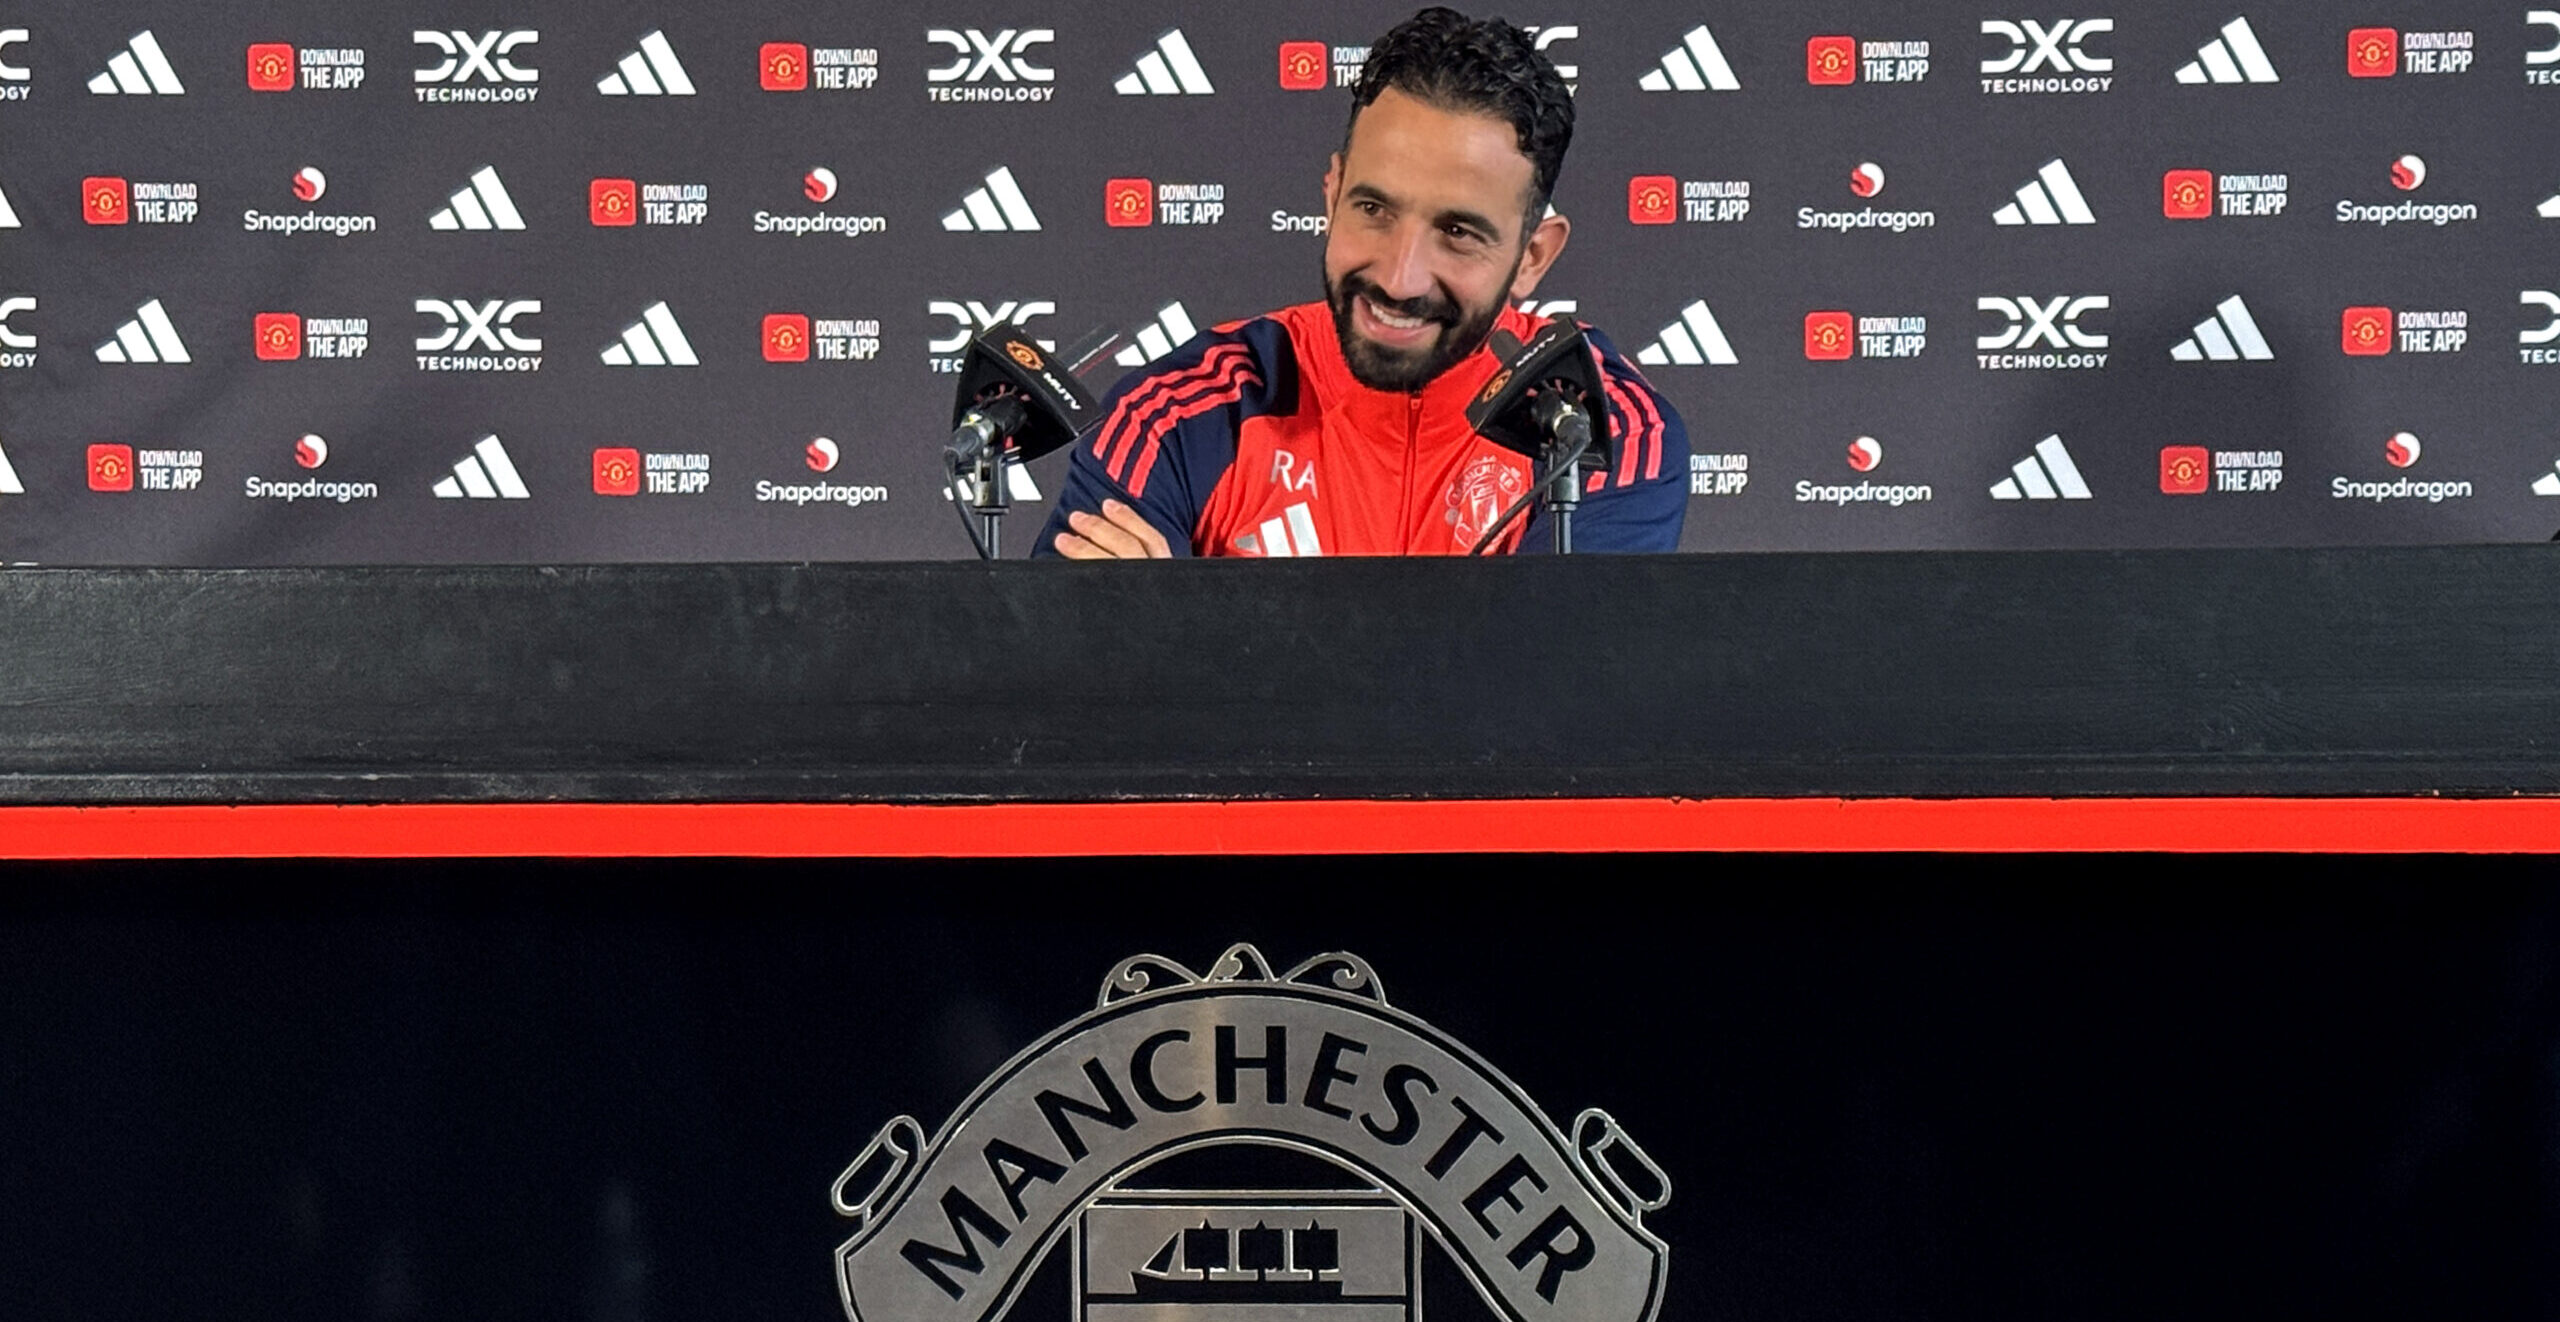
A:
1546, 1223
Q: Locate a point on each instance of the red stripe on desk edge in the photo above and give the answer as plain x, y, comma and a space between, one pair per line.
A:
1280, 827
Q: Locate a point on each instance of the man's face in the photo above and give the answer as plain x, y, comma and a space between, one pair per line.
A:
1425, 241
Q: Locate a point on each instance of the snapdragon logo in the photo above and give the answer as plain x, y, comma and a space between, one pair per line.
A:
1865, 455
2408, 174
991, 67
310, 452
2052, 323
820, 186
969, 318
308, 186
821, 456
2401, 451
2041, 57
1866, 181
486, 67
487, 327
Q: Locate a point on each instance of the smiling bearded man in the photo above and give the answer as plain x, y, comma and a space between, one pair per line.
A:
1339, 428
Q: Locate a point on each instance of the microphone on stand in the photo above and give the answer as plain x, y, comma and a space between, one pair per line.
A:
1015, 404
1546, 402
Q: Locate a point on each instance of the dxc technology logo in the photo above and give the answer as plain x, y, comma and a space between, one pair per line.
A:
2031, 322
483, 325
468, 61
998, 67
2037, 48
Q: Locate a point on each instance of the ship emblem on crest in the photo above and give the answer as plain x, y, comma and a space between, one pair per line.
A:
1240, 1146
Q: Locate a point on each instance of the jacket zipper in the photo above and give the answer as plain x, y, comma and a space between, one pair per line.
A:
1412, 449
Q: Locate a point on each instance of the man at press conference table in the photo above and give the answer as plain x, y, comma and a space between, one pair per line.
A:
1339, 427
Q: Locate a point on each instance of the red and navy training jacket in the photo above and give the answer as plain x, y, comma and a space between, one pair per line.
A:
1253, 439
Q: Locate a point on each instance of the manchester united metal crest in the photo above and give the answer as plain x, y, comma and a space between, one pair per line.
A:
1142, 1139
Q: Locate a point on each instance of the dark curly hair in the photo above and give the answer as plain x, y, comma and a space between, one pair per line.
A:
1484, 66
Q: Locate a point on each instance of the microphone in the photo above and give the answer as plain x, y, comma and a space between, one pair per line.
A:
1014, 400
1546, 402
1014, 405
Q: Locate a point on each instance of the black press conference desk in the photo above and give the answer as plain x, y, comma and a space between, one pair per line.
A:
2251, 673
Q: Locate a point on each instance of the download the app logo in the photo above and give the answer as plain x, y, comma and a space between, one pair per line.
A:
1829, 336
105, 200
2373, 52
613, 202
279, 335
1831, 61
271, 67
2185, 469
786, 338
617, 472
1653, 199
111, 468
1129, 202
1304, 65
2187, 195
2366, 332
783, 66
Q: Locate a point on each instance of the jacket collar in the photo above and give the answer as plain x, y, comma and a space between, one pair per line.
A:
1385, 416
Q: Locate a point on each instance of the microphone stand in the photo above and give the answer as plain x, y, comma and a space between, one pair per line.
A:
1567, 429
978, 451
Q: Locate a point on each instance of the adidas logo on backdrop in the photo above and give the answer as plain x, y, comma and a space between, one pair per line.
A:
1697, 64
485, 474
1168, 70
2233, 57
482, 204
1692, 340
998, 206
653, 341
149, 338
140, 69
1169, 331
8, 215
2230, 335
652, 70
2051, 198
9, 483
2048, 474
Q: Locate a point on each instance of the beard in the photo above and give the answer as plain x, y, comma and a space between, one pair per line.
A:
1378, 367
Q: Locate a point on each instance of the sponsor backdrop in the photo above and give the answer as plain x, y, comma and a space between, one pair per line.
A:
544, 280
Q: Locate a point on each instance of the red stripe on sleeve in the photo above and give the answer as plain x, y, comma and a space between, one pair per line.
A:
1155, 436
1116, 431
1170, 408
